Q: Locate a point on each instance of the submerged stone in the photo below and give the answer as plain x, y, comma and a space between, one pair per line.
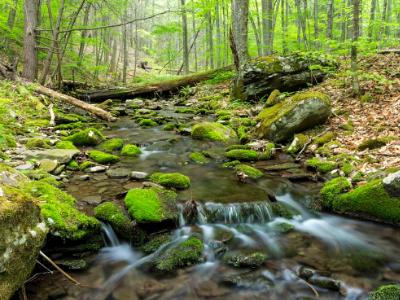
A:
116, 173
151, 205
186, 253
213, 132
302, 111
199, 158
139, 175
245, 260
249, 171
171, 180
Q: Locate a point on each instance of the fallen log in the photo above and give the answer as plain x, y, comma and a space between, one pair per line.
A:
154, 89
389, 51
98, 112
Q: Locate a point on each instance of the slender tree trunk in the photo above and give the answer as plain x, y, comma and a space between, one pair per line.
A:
185, 38
219, 34
54, 42
125, 45
12, 14
372, 15
194, 41
210, 39
268, 11
284, 10
356, 32
329, 28
316, 23
240, 13
256, 35
84, 34
30, 43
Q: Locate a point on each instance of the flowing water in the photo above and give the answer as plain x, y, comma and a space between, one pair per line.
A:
232, 217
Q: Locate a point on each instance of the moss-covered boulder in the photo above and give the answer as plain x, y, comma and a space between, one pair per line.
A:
59, 212
370, 201
171, 180
280, 122
249, 171
242, 155
66, 145
112, 214
37, 143
263, 75
155, 243
22, 234
386, 292
130, 150
245, 260
87, 137
213, 132
112, 145
151, 205
199, 158
103, 157
321, 165
63, 156
186, 253
147, 123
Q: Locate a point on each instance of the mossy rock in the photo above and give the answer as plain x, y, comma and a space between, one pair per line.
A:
112, 214
155, 243
333, 189
131, 150
386, 292
249, 171
102, 157
22, 235
147, 123
73, 165
303, 111
213, 132
62, 118
199, 158
325, 138
321, 165
245, 260
66, 145
151, 205
298, 143
170, 127
171, 180
242, 155
370, 201
87, 137
85, 165
185, 254
37, 143
373, 144
59, 212
272, 98
112, 145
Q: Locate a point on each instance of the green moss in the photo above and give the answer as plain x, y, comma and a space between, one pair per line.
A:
322, 140
235, 147
87, 137
268, 152
370, 201
249, 171
110, 213
272, 99
102, 157
147, 123
199, 158
346, 168
244, 260
243, 135
73, 165
242, 155
373, 144
66, 145
231, 164
332, 189
85, 165
348, 126
70, 126
174, 180
184, 254
112, 145
155, 243
170, 127
386, 292
37, 143
130, 150
321, 165
327, 149
39, 174
57, 208
298, 143
150, 205
213, 132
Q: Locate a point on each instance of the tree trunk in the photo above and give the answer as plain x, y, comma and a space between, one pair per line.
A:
125, 46
356, 32
372, 15
240, 12
316, 23
268, 10
84, 34
329, 28
30, 43
257, 36
185, 38
12, 14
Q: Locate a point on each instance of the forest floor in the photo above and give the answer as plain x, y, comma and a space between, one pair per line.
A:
373, 116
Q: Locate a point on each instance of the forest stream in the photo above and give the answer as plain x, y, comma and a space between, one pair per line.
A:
277, 256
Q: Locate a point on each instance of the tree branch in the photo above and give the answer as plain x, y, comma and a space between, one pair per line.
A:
110, 26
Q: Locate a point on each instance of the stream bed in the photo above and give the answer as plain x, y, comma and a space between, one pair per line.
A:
346, 258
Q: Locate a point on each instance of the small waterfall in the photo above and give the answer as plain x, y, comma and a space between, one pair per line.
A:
109, 236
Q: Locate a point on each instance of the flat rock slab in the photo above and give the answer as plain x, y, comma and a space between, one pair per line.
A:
63, 156
117, 173
48, 165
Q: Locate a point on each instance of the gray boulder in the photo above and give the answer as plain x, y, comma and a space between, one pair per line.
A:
391, 183
280, 122
63, 156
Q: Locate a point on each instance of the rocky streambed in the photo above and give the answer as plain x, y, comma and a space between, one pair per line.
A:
220, 221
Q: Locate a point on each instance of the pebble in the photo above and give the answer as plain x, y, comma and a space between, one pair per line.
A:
139, 175
84, 177
96, 169
152, 184
26, 166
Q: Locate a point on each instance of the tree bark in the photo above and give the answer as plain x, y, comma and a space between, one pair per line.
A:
185, 38
12, 14
372, 15
329, 28
240, 12
30, 43
356, 32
